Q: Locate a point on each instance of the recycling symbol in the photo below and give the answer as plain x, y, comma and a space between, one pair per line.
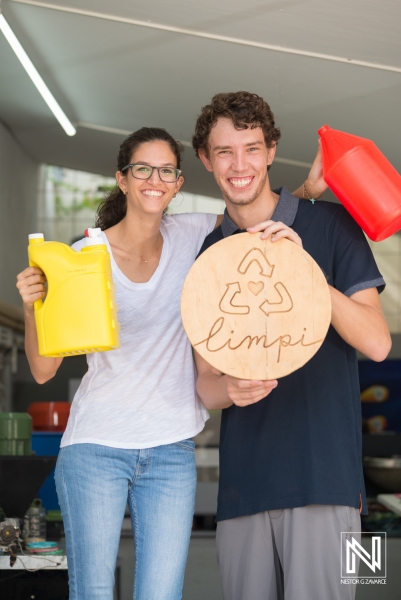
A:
277, 301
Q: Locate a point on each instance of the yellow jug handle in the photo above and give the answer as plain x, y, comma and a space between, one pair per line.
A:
37, 305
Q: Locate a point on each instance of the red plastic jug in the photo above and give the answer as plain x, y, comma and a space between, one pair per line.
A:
363, 180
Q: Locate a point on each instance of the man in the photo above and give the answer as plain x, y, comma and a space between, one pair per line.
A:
291, 477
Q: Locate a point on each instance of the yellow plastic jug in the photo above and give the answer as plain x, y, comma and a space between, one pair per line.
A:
79, 313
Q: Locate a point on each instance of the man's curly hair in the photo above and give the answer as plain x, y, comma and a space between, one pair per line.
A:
246, 110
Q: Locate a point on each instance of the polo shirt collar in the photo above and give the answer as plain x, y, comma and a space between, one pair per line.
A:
285, 212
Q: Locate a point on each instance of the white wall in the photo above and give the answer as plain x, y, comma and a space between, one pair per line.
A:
388, 257
19, 183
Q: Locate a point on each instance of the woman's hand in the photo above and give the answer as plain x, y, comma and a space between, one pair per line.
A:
276, 230
31, 286
243, 392
315, 185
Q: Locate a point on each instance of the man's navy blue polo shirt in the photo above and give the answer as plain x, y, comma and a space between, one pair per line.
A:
302, 444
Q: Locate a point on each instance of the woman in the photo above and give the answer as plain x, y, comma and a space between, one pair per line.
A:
133, 417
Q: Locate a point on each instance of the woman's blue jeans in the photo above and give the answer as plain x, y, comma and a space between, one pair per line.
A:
94, 483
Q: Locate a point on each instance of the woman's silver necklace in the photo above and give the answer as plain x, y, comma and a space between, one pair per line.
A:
150, 256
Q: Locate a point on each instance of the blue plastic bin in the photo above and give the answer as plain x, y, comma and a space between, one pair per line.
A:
47, 443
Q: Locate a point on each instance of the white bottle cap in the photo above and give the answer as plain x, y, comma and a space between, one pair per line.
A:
33, 236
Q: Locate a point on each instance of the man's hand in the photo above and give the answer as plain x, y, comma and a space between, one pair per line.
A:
217, 390
276, 230
243, 392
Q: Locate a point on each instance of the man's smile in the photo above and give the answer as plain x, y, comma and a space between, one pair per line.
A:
241, 182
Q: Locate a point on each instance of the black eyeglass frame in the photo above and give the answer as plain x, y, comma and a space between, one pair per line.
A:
178, 172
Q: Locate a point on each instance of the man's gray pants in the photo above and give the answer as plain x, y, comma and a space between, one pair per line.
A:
290, 554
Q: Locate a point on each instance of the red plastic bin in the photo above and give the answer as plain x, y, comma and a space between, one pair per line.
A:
49, 416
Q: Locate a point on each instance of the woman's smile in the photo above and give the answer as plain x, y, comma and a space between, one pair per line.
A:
153, 193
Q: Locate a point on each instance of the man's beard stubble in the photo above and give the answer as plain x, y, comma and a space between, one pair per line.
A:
245, 201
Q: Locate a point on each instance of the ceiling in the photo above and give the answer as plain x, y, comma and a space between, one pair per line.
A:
124, 64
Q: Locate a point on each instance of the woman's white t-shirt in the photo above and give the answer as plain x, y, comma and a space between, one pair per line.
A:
143, 394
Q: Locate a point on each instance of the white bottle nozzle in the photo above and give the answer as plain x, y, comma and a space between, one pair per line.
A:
93, 236
93, 232
34, 236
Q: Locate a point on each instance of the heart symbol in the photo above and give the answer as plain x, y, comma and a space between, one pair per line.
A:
255, 287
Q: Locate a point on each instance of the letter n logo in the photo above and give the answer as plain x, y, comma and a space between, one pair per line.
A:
373, 557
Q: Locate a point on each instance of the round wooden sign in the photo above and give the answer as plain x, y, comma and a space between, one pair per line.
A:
256, 309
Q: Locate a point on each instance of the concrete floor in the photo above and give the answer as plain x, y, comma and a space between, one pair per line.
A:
201, 575
202, 579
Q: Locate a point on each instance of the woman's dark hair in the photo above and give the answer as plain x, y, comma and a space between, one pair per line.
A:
113, 209
246, 110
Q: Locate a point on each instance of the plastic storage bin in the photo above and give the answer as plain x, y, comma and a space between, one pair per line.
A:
49, 416
46, 443
15, 434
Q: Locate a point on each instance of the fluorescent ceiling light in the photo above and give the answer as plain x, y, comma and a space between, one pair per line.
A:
36, 78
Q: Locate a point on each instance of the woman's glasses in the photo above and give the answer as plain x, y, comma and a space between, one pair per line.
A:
166, 174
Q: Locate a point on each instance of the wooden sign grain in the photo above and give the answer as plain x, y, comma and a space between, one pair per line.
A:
256, 309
